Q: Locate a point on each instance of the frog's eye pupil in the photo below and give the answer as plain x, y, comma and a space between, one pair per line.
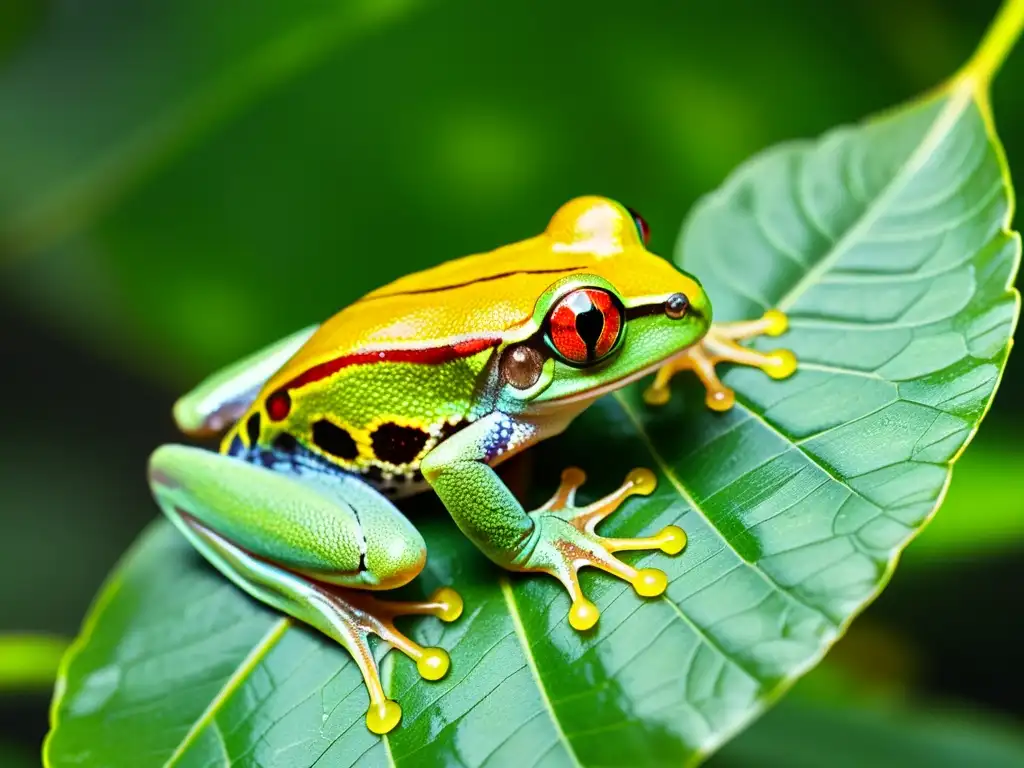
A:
641, 226
585, 326
676, 305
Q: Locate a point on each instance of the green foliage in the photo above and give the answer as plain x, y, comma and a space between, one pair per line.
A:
29, 662
887, 243
796, 735
250, 174
204, 204
13, 756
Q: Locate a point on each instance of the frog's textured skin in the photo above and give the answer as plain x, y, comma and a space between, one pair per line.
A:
431, 381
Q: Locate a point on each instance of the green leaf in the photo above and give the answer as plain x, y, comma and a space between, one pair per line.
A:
29, 662
888, 245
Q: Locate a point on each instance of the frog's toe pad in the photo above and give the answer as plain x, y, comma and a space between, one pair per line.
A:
583, 615
720, 399
775, 322
383, 716
433, 664
673, 539
780, 364
448, 604
650, 582
657, 394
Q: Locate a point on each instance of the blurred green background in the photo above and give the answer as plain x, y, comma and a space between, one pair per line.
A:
181, 182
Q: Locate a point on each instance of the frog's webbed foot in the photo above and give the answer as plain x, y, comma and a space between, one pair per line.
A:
719, 346
565, 540
365, 615
348, 616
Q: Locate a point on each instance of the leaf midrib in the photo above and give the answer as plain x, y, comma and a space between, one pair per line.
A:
960, 94
520, 630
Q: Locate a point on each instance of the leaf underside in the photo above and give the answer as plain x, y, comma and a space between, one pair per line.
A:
887, 245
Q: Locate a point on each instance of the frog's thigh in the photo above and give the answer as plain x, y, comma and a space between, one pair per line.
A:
332, 531
285, 541
222, 398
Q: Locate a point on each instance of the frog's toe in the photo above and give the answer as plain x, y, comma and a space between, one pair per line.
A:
445, 603
779, 364
565, 494
566, 541
655, 395
383, 716
659, 393
366, 615
378, 618
719, 398
564, 550
720, 345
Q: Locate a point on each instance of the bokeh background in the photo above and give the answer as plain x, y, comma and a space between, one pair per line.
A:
182, 182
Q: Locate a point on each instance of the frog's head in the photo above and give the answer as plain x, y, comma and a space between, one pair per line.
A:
617, 316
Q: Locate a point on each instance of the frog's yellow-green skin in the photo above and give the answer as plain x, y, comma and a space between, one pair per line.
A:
431, 381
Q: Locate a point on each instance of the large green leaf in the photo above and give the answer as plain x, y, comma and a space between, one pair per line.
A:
29, 662
888, 244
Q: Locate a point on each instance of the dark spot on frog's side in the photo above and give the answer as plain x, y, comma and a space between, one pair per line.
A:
398, 444
332, 439
252, 428
285, 443
448, 429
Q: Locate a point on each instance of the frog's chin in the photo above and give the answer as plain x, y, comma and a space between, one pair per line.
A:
584, 398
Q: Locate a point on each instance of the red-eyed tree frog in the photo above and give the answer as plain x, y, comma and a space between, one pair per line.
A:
430, 382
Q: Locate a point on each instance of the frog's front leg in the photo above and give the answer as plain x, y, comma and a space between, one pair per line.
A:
305, 545
558, 538
719, 346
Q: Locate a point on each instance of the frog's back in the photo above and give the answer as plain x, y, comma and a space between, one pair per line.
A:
470, 300
479, 297
382, 382
392, 375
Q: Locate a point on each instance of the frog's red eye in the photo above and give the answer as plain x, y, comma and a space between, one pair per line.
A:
641, 226
585, 325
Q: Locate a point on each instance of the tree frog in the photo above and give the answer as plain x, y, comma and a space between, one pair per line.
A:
430, 382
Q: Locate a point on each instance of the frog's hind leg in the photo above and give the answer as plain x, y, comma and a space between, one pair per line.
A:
302, 549
720, 346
